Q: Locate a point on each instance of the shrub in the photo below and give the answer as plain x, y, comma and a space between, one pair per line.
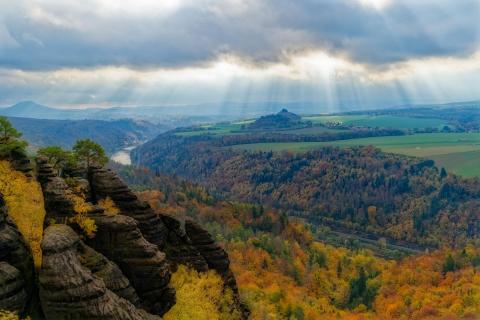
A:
24, 200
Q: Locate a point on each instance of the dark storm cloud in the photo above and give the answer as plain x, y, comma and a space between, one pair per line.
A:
53, 34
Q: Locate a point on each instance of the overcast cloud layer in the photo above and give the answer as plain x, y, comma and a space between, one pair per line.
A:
39, 38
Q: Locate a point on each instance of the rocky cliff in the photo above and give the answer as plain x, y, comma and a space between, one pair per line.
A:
123, 272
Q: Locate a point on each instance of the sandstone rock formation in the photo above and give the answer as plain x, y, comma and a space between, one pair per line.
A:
22, 163
179, 248
105, 183
109, 272
145, 266
69, 290
133, 252
119, 239
192, 246
56, 193
16, 266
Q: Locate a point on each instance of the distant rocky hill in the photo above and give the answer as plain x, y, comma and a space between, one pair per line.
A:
282, 120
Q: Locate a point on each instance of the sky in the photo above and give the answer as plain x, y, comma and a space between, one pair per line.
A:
338, 54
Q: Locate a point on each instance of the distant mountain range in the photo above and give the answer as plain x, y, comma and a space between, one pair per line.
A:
190, 114
112, 135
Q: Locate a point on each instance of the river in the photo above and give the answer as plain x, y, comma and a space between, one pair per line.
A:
123, 156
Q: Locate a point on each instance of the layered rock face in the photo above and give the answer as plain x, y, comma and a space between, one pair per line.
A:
105, 183
173, 240
109, 272
147, 268
16, 266
22, 163
13, 293
70, 290
179, 248
56, 193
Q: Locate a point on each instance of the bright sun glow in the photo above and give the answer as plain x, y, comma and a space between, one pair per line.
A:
141, 6
377, 4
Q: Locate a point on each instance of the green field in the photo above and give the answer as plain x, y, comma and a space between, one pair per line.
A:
379, 121
457, 152
462, 163
239, 127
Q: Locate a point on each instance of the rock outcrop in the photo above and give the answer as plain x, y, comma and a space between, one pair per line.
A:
69, 290
133, 253
192, 245
216, 258
178, 247
105, 183
119, 238
56, 193
16, 266
22, 163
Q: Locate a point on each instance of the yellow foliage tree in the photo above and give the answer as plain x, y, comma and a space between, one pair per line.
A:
81, 218
24, 199
7, 315
200, 296
109, 206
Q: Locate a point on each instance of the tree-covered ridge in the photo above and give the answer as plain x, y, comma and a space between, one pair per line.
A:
361, 189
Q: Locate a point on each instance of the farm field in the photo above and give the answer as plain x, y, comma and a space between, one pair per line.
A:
466, 164
457, 152
237, 128
379, 121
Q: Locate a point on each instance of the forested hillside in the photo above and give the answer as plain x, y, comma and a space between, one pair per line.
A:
283, 273
175, 250
355, 188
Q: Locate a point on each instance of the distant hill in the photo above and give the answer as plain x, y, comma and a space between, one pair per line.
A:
112, 135
282, 120
30, 109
